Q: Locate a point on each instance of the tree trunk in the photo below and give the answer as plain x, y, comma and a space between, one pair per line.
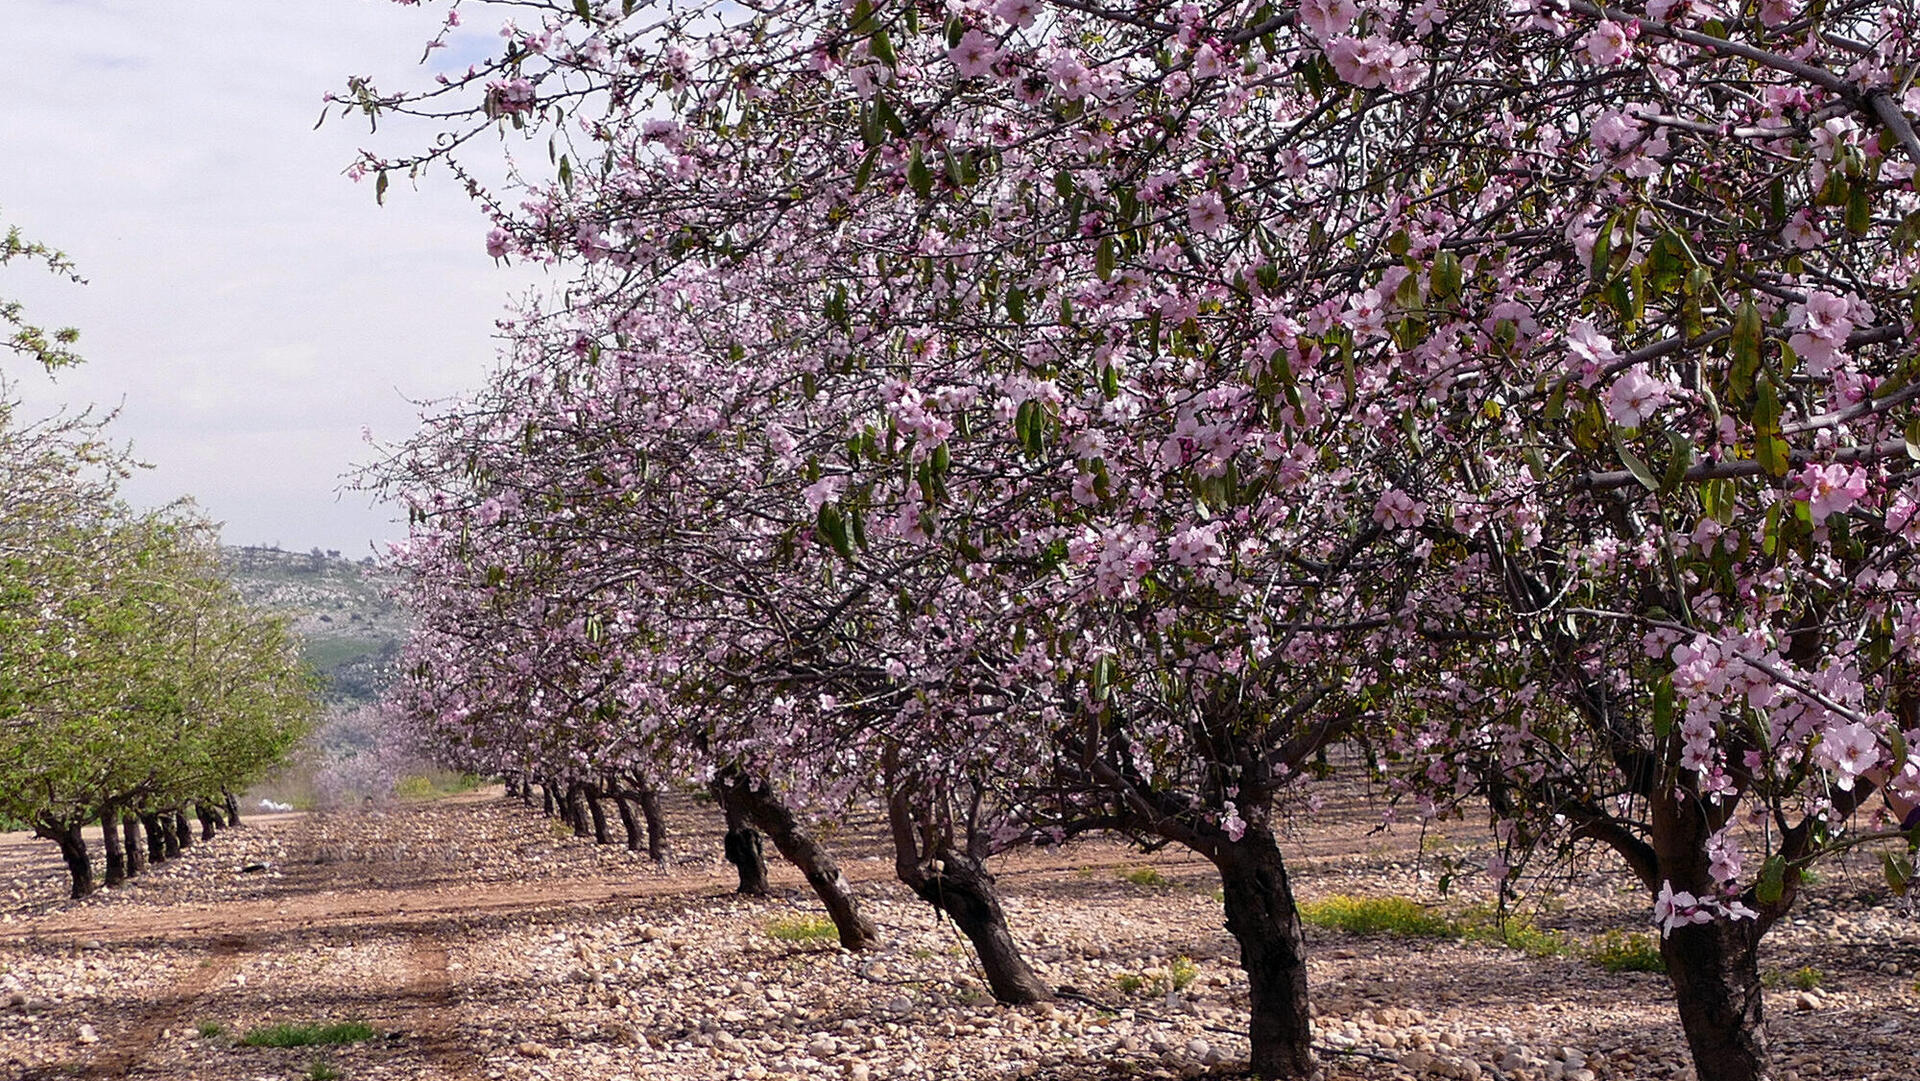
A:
208, 823
768, 812
577, 809
1715, 971
136, 852
546, 799
182, 829
110, 836
1261, 916
957, 884
591, 795
73, 851
657, 847
156, 838
742, 845
628, 820
233, 808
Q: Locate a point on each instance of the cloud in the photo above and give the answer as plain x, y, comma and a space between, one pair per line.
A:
251, 307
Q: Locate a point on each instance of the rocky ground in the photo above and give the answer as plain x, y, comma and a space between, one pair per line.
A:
478, 942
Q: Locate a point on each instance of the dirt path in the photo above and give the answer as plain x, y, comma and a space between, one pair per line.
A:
472, 941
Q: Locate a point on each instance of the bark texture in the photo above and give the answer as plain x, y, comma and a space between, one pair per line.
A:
766, 810
1263, 919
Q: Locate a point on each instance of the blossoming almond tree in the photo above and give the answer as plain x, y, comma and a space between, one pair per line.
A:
1196, 338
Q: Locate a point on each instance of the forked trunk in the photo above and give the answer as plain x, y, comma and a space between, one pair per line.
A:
1715, 971
1262, 918
110, 837
182, 829
136, 851
767, 811
208, 823
742, 844
960, 886
657, 846
233, 808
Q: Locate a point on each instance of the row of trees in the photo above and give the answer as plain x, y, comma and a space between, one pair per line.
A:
1065, 416
134, 683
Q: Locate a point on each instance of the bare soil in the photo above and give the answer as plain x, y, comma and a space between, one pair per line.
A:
478, 941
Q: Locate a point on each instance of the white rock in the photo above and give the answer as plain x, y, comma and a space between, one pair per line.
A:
87, 1035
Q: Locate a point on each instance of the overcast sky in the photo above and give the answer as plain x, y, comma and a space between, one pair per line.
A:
251, 307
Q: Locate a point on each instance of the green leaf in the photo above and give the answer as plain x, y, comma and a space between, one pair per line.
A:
833, 528
380, 188
1662, 707
1103, 258
864, 173
1773, 878
919, 177
1445, 277
1635, 465
1859, 211
1679, 463
583, 9
1898, 871
566, 173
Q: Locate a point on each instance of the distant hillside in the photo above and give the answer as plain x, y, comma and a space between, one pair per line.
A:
350, 629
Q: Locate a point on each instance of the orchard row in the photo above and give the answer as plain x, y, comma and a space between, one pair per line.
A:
134, 683
1050, 416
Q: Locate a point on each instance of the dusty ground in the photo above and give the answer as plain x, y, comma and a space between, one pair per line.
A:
479, 943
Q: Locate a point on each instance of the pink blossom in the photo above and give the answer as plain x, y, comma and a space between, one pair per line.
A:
1206, 213
1825, 320
499, 242
1829, 489
1020, 13
1371, 61
1325, 18
1398, 510
1609, 44
1635, 396
1851, 749
975, 55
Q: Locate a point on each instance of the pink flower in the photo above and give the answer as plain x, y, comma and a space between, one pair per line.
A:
1196, 546
1829, 489
1398, 510
1020, 13
1588, 346
1206, 213
1851, 749
1367, 62
1824, 321
499, 243
975, 55
1071, 80
1608, 44
1635, 396
1325, 18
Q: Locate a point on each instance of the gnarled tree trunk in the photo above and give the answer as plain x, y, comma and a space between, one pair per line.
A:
767, 811
136, 851
208, 823
590, 795
156, 838
182, 829
629, 821
959, 885
576, 802
742, 845
1715, 971
232, 803
657, 845
73, 851
1262, 918
110, 837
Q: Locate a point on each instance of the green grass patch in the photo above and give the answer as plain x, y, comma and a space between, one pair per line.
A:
1146, 876
434, 785
803, 929
1378, 916
211, 1030
1618, 951
322, 1070
308, 1034
1615, 951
